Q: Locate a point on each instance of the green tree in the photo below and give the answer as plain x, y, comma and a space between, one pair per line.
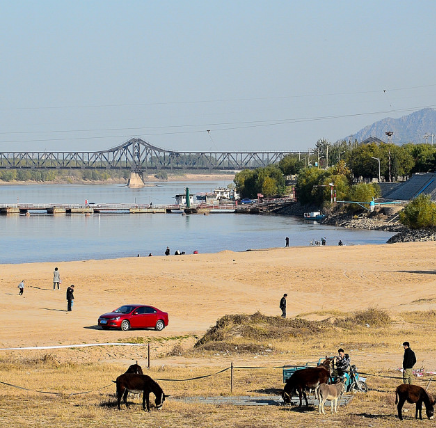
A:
419, 213
269, 187
23, 175
363, 192
245, 183
361, 163
308, 190
9, 175
291, 165
269, 181
341, 186
423, 156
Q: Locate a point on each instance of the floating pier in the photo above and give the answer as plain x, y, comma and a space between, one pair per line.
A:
87, 209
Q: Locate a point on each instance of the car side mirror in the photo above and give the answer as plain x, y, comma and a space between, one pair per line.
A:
135, 313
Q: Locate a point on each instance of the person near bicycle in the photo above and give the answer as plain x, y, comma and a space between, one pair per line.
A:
341, 364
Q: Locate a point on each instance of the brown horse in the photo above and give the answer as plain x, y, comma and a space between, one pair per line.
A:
308, 378
414, 394
137, 383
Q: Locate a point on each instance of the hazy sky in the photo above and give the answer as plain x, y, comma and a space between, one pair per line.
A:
265, 75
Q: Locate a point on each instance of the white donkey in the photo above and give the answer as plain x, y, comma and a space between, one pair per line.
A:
326, 392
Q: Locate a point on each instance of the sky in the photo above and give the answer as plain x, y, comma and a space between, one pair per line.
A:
210, 75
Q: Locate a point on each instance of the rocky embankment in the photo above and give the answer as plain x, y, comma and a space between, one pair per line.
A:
379, 221
384, 219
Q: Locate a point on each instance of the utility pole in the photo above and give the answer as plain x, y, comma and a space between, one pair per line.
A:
389, 135
379, 174
426, 138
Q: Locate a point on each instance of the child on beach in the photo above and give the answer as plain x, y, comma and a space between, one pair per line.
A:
21, 287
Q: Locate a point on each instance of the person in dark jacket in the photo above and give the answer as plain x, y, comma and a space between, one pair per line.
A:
70, 297
283, 305
342, 362
409, 361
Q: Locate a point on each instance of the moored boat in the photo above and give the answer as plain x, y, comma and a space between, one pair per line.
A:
314, 215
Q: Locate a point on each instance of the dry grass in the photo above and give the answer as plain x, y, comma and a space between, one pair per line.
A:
86, 392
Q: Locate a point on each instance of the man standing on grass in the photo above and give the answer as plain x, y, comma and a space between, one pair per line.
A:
409, 361
283, 305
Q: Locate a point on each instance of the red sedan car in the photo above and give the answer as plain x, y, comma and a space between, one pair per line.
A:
134, 316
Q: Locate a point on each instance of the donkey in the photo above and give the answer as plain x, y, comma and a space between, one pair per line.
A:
414, 394
136, 383
304, 379
324, 392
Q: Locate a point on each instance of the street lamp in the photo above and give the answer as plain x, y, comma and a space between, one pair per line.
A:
340, 153
378, 159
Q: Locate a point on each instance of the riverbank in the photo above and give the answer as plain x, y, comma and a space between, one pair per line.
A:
150, 178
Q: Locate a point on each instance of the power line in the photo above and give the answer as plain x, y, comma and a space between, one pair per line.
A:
220, 100
219, 126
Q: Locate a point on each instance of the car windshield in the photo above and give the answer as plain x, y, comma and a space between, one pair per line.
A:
124, 309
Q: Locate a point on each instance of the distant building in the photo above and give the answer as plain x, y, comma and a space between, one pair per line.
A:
181, 199
221, 194
371, 140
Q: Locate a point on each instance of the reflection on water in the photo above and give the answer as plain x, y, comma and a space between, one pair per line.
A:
37, 238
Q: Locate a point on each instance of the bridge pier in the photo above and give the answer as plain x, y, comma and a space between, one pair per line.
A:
10, 210
56, 210
135, 181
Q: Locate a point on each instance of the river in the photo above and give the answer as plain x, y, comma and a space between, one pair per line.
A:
47, 238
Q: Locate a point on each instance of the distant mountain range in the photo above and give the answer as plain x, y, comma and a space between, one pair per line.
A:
406, 129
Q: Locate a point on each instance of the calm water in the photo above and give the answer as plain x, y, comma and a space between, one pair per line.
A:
40, 237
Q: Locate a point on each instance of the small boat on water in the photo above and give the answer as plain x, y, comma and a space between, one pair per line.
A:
314, 215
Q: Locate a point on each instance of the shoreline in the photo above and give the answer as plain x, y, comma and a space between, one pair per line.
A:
147, 179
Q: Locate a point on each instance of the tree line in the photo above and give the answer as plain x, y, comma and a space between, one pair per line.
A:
348, 169
345, 164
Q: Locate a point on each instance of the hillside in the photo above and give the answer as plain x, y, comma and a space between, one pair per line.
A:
406, 129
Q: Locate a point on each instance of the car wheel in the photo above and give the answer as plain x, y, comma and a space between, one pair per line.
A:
125, 325
160, 325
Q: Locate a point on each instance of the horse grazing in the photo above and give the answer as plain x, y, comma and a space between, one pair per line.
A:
324, 392
136, 383
304, 379
414, 394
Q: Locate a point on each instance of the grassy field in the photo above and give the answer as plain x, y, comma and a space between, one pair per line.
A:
76, 389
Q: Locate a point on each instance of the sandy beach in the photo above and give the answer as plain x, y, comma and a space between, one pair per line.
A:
198, 289
322, 283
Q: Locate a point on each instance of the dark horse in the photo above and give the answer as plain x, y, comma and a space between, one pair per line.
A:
135, 368
304, 379
414, 394
136, 383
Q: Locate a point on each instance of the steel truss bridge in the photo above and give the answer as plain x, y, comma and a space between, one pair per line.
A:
139, 156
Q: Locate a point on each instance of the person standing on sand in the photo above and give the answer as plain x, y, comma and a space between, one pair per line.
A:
70, 297
283, 305
56, 278
286, 242
409, 361
21, 287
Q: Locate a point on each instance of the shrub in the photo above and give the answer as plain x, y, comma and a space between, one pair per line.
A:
370, 317
419, 213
